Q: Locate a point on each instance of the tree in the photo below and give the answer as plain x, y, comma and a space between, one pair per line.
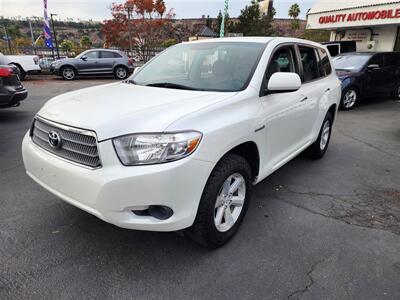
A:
253, 23
67, 45
150, 24
294, 12
316, 35
85, 42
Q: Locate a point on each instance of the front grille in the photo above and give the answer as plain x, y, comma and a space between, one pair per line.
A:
77, 147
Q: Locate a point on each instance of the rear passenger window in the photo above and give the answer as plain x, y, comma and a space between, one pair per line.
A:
310, 63
282, 61
325, 64
107, 54
390, 59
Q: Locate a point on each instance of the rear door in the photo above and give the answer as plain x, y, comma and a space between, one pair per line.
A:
107, 61
316, 67
391, 71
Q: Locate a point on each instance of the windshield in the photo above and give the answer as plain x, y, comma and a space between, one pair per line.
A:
352, 63
215, 66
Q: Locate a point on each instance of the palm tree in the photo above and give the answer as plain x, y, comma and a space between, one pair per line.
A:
294, 12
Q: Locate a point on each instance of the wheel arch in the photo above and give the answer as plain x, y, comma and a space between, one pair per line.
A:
250, 152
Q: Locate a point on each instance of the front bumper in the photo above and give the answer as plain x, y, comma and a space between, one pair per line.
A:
113, 191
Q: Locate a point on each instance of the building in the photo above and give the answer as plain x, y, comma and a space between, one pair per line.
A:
373, 24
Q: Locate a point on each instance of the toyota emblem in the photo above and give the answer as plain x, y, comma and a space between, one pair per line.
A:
54, 139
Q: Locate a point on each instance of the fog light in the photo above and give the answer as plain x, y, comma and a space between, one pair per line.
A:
160, 212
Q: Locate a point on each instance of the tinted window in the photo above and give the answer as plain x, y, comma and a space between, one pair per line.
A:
325, 64
391, 59
334, 50
282, 61
117, 55
376, 60
92, 54
310, 63
107, 54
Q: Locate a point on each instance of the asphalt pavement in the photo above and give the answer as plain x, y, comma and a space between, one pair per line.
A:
326, 229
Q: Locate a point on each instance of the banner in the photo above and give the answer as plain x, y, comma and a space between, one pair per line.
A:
46, 28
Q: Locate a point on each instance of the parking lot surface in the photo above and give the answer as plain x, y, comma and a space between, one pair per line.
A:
327, 229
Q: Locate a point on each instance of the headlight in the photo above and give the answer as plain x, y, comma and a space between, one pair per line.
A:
144, 149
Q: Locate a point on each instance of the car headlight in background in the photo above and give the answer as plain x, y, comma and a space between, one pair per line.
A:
144, 149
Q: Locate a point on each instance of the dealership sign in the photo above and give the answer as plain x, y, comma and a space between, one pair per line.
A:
361, 16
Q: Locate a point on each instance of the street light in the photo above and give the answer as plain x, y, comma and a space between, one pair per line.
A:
55, 34
222, 31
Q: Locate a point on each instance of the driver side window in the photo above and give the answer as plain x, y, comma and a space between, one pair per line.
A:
282, 61
92, 55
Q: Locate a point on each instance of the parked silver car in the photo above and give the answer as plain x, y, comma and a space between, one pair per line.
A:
94, 62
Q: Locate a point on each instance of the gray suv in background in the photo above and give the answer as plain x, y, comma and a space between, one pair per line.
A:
94, 62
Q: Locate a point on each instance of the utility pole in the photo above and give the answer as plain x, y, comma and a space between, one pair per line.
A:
8, 39
129, 10
55, 34
222, 31
33, 38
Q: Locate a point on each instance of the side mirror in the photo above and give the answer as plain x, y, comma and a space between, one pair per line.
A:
84, 57
373, 67
137, 69
284, 83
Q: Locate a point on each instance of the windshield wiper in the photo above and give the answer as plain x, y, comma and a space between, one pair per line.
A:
170, 85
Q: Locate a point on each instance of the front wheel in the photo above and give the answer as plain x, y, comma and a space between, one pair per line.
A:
223, 204
396, 92
68, 73
349, 99
318, 149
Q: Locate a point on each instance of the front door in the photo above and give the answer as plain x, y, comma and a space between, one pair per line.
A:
375, 79
90, 62
285, 113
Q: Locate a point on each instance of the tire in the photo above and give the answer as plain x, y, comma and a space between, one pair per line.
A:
211, 227
68, 73
22, 73
318, 149
120, 72
349, 98
396, 92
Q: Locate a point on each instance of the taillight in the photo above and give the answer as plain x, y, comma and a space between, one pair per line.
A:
130, 61
6, 72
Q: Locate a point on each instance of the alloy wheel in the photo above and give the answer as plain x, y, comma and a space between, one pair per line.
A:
68, 73
350, 99
229, 203
121, 73
326, 132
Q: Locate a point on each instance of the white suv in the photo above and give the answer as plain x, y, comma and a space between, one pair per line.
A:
180, 144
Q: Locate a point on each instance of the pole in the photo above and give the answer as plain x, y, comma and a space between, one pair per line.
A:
130, 30
8, 39
55, 34
222, 31
33, 38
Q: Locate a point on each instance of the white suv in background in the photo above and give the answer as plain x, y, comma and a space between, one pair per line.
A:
181, 142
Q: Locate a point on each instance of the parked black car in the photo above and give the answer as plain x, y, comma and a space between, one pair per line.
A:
94, 62
367, 74
11, 90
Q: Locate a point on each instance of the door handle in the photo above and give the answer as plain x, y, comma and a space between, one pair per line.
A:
304, 99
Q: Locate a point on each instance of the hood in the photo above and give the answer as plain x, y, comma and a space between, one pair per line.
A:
119, 108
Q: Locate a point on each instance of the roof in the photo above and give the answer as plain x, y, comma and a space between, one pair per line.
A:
207, 32
329, 6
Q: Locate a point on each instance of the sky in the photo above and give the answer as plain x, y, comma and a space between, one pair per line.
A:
99, 9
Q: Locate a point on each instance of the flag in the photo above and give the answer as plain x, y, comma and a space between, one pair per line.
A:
48, 40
